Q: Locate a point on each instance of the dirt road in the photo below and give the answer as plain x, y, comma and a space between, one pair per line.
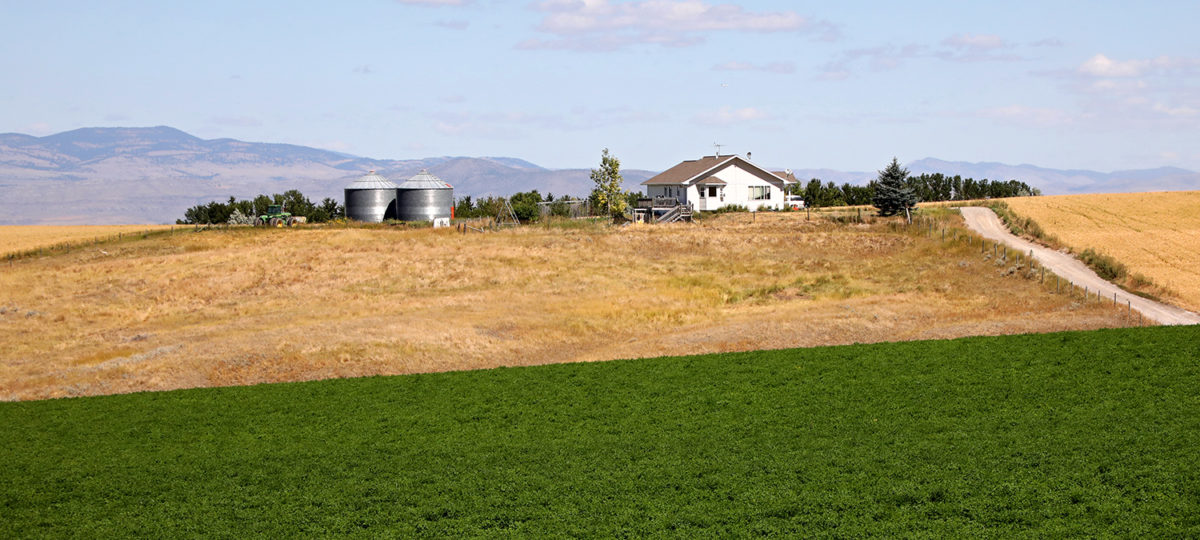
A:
986, 223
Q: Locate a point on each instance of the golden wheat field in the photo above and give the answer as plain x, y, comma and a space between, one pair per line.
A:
1155, 234
17, 238
245, 306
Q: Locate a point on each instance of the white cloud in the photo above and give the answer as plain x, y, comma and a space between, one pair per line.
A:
729, 115
607, 25
1103, 66
1177, 112
956, 48
773, 67
880, 58
1048, 42
977, 42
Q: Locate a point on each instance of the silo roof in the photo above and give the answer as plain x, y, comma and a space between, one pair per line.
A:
424, 180
372, 181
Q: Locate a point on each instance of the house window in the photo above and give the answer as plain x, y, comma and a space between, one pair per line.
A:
712, 191
760, 193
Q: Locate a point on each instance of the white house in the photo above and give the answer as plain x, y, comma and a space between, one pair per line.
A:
712, 182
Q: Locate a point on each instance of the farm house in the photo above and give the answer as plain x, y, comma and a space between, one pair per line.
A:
713, 182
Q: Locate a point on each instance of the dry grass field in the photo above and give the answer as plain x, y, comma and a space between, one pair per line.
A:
17, 238
1154, 234
246, 306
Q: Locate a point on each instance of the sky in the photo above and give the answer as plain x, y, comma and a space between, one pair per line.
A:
843, 85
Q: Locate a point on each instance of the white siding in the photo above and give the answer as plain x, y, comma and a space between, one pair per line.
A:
736, 190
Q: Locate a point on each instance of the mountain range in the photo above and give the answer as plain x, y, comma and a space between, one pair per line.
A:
151, 175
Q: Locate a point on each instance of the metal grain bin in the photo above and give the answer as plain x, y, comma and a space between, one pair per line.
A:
371, 198
424, 197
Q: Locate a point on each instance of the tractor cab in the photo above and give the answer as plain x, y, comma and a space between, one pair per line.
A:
276, 217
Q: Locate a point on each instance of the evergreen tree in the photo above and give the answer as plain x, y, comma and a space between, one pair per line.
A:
892, 194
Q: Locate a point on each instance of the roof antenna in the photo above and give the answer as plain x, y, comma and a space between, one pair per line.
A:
718, 148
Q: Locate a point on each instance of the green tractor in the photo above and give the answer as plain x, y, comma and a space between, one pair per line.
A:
277, 217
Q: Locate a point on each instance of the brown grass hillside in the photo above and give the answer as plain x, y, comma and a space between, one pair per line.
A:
1154, 234
257, 305
18, 238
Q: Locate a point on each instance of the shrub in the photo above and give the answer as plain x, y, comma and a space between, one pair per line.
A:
1104, 265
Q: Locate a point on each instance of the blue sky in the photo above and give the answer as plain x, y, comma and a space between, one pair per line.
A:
843, 85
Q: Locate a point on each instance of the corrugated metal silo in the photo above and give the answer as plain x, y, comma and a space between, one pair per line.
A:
424, 197
371, 198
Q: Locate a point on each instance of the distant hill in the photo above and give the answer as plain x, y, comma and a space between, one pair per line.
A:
1060, 182
151, 175
1050, 181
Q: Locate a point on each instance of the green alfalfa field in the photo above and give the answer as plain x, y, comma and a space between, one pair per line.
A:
1067, 434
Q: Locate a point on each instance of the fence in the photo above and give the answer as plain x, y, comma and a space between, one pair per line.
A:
1034, 269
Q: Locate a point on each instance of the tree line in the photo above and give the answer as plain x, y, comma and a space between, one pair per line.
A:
527, 205
238, 211
926, 187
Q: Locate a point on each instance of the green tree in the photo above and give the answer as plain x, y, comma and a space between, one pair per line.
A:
608, 192
892, 194
525, 205
332, 208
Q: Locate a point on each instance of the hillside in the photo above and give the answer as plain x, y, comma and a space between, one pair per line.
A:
151, 175
1079, 434
1154, 234
244, 306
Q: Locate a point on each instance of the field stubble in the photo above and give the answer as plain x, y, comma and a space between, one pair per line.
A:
21, 238
1153, 234
248, 306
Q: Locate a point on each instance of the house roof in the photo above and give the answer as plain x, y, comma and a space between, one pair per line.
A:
786, 175
687, 170
702, 169
711, 181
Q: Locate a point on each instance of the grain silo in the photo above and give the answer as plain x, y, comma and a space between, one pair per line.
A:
371, 198
424, 197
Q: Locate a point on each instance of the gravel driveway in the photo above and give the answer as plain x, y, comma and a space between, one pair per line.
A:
986, 223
